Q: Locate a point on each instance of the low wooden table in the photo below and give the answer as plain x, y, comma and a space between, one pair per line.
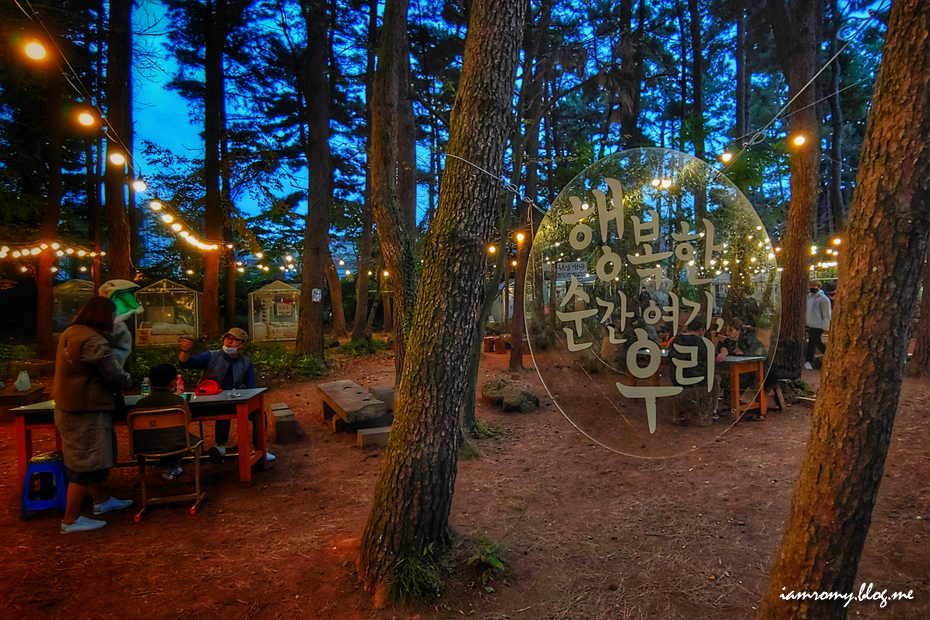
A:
736, 366
41, 416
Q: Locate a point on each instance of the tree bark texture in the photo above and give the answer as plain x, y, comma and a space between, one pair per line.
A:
864, 366
796, 29
119, 63
920, 363
313, 86
359, 328
413, 495
45, 279
214, 96
335, 295
390, 215
837, 204
697, 94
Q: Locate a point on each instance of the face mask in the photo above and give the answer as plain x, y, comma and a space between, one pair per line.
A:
230, 350
814, 290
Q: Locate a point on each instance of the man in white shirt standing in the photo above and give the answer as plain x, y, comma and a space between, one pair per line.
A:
819, 313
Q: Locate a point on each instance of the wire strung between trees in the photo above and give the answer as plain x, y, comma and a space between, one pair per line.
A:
759, 135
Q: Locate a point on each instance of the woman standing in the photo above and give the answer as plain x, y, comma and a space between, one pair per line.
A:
87, 376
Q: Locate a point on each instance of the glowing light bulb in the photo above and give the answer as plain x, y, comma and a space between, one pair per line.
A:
520, 236
156, 206
83, 269
190, 272
54, 269
726, 157
16, 254
799, 140
666, 183
241, 269
117, 159
259, 255
69, 251
140, 186
837, 241
44, 246
348, 273
55, 246
341, 262
23, 269
282, 267
166, 218
656, 182
386, 273
176, 227
289, 258
35, 50
514, 263
492, 249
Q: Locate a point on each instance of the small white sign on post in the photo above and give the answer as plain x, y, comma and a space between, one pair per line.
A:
316, 295
565, 271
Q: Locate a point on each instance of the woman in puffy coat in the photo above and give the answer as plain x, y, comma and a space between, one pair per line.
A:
87, 376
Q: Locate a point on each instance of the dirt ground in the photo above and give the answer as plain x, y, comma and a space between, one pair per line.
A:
584, 532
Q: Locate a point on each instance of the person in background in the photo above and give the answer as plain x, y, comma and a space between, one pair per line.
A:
729, 345
87, 375
164, 382
231, 370
698, 407
819, 313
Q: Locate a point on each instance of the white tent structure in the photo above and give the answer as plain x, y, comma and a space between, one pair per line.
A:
67, 300
273, 312
171, 311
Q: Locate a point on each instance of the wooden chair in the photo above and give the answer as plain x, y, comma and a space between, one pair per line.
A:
165, 418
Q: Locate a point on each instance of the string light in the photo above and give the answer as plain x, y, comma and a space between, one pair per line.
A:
35, 50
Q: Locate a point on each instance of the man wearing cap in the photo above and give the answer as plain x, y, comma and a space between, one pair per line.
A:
230, 369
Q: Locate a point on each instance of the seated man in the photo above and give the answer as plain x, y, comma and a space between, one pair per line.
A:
231, 370
163, 378
697, 406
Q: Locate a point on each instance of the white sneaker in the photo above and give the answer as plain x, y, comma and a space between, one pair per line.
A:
111, 505
82, 524
171, 474
807, 366
217, 453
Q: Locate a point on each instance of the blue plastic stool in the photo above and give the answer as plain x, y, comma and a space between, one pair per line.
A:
50, 467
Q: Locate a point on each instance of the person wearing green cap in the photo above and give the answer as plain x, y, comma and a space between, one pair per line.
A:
231, 370
123, 294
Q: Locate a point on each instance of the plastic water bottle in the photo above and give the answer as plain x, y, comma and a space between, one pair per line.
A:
180, 387
146, 388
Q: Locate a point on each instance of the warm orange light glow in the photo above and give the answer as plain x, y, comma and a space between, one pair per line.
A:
86, 118
155, 205
520, 236
799, 140
140, 186
726, 157
492, 249
837, 241
386, 274
117, 159
514, 263
35, 50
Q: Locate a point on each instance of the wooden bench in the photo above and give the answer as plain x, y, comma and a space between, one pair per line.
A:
348, 401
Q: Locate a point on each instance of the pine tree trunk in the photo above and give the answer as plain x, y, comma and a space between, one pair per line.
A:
335, 296
837, 204
214, 96
864, 366
227, 249
919, 365
119, 63
45, 279
697, 88
359, 328
313, 85
390, 215
742, 81
796, 29
413, 495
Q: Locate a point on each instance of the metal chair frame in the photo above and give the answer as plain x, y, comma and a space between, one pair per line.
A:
163, 418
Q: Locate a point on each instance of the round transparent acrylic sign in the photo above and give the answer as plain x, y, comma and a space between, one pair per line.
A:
647, 266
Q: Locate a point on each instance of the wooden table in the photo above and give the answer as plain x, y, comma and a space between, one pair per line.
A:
11, 397
736, 366
41, 416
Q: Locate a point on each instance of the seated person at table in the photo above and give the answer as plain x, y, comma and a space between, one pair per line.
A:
164, 382
697, 406
230, 369
729, 345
